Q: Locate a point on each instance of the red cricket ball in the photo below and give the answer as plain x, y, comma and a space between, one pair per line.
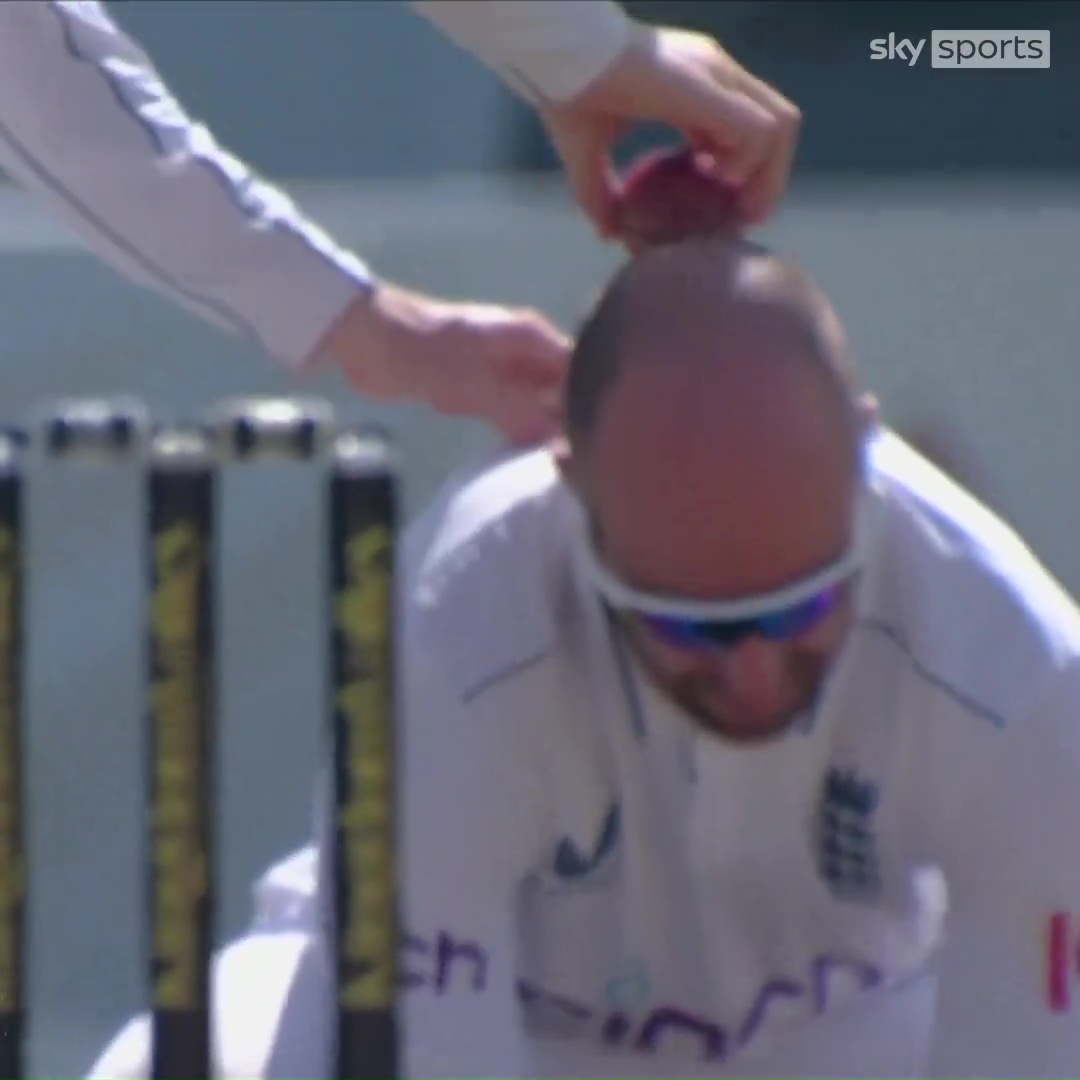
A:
672, 195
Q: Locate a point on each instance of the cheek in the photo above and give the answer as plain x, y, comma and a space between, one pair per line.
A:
826, 640
663, 660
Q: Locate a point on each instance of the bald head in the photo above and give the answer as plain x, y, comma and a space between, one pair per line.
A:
714, 421
720, 308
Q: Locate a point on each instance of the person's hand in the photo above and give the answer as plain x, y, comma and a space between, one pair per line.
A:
503, 365
687, 81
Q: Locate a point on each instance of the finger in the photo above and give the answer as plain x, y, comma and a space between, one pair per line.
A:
765, 186
583, 151
529, 414
709, 101
700, 97
596, 188
717, 161
735, 130
538, 422
534, 351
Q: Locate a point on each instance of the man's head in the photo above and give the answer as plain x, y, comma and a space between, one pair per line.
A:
715, 436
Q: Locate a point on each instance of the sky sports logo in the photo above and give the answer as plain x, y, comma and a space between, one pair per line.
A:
980, 49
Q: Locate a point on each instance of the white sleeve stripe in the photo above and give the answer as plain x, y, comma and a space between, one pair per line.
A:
140, 92
65, 15
211, 309
242, 188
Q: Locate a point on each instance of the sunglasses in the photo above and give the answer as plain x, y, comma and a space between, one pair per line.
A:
782, 615
785, 624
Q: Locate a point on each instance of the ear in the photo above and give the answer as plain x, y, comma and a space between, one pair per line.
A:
869, 411
559, 448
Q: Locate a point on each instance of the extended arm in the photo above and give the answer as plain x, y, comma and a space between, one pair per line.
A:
87, 124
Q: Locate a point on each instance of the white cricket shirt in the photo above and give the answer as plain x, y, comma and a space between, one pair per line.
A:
595, 889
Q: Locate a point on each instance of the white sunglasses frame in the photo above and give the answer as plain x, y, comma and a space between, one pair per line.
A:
621, 595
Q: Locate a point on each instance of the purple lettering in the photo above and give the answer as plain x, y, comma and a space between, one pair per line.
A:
774, 988
867, 974
448, 950
447, 963
712, 1036
615, 1029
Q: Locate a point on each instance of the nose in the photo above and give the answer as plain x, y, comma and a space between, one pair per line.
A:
754, 672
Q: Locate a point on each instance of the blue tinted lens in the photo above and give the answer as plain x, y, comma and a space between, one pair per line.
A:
689, 633
776, 626
798, 619
692, 634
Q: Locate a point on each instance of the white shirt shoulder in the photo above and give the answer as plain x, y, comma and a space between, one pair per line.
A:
987, 738
486, 566
968, 601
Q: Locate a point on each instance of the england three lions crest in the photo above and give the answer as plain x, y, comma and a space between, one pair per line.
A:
846, 842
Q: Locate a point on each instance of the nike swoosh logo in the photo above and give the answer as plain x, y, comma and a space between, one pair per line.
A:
571, 864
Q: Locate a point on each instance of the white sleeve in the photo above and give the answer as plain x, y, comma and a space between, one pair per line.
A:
1010, 985
87, 124
127, 1057
472, 809
544, 49
270, 992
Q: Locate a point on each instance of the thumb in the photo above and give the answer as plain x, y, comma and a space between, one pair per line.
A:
686, 81
583, 149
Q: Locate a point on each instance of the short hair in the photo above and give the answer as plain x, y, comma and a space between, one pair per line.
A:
596, 360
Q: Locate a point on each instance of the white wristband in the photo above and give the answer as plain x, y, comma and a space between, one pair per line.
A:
546, 50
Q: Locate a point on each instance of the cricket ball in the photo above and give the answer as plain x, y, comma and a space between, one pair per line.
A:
673, 195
